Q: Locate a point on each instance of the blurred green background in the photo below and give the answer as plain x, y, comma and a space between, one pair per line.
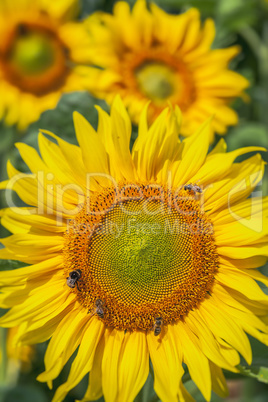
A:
241, 21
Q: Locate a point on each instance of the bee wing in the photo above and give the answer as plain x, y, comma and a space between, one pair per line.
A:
92, 311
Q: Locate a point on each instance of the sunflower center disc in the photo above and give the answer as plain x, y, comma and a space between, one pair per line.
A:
33, 54
156, 80
34, 59
144, 256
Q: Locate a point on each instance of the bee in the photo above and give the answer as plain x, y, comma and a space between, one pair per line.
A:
193, 187
73, 278
157, 326
99, 308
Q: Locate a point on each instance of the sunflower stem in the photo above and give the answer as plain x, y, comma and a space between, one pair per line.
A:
147, 393
186, 378
3, 354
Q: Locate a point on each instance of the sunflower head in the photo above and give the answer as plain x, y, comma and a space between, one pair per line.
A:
136, 256
143, 242
39, 50
151, 55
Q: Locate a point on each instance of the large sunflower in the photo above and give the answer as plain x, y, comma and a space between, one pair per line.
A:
42, 53
136, 256
151, 55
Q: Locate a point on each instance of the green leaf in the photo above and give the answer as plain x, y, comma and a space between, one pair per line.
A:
89, 6
259, 353
259, 373
147, 393
60, 119
7, 137
234, 15
8, 265
23, 393
247, 134
205, 6
60, 122
259, 367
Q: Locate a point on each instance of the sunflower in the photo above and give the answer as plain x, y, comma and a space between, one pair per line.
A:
43, 54
151, 55
20, 357
136, 256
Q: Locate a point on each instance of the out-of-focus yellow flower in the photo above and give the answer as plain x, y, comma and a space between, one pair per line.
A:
151, 55
131, 260
13, 357
42, 55
21, 355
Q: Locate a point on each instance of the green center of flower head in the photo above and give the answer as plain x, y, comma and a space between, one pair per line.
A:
35, 60
140, 241
143, 256
32, 53
156, 81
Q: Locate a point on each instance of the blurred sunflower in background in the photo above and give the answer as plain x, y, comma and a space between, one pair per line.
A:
43, 54
151, 55
20, 355
149, 254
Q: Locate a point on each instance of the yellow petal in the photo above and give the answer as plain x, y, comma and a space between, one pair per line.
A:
237, 186
115, 132
36, 306
229, 353
22, 220
241, 233
146, 147
193, 155
82, 364
255, 207
110, 363
55, 160
32, 334
195, 359
242, 283
31, 158
93, 151
218, 164
204, 41
167, 364
245, 263
63, 343
74, 158
63, 10
225, 328
220, 147
48, 266
207, 341
248, 321
33, 247
218, 381
94, 390
244, 252
133, 367
183, 395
